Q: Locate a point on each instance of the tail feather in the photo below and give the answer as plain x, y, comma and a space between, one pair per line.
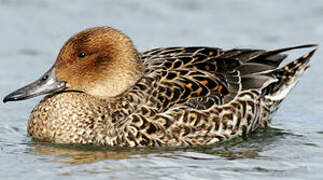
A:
258, 72
288, 76
274, 57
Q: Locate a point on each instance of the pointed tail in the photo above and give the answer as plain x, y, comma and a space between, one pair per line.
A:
287, 76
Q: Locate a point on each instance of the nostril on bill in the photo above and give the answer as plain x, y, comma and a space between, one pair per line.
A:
44, 78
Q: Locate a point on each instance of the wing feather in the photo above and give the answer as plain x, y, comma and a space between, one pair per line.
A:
203, 76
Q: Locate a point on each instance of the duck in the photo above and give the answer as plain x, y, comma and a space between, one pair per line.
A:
102, 91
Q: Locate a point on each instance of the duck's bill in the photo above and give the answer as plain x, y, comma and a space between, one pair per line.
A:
46, 84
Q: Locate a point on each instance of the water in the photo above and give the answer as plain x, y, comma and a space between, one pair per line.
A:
32, 33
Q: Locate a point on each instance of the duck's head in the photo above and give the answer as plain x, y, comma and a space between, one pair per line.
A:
99, 61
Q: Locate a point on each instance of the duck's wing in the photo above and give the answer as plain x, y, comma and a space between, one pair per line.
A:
200, 77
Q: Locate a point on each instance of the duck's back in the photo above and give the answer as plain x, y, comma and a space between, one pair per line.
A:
201, 95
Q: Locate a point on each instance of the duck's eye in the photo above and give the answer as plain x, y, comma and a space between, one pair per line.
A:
82, 55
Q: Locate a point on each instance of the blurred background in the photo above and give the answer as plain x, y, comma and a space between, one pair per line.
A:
33, 31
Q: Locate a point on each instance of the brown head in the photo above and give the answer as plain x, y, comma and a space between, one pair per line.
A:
99, 61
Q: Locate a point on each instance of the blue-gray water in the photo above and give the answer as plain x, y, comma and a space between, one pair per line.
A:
32, 32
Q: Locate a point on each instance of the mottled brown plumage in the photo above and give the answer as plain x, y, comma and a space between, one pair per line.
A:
175, 96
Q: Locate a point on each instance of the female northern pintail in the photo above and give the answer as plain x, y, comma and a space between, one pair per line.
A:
102, 91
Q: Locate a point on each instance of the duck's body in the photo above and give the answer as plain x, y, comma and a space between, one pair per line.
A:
182, 96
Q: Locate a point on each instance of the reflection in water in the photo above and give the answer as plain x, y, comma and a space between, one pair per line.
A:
79, 156
84, 154
243, 147
248, 146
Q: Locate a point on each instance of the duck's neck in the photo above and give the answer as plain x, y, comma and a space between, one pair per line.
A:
121, 76
118, 83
